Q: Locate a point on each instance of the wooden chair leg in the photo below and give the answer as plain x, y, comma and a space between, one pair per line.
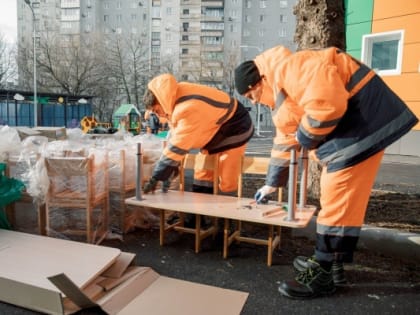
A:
89, 225
42, 218
10, 214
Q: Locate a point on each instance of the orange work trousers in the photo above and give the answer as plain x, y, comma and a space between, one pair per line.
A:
344, 199
229, 168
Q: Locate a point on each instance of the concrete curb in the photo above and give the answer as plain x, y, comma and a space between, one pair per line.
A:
403, 245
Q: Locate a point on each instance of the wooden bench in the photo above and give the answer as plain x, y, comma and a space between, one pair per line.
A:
252, 166
229, 208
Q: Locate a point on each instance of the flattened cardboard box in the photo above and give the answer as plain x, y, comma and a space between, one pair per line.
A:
109, 280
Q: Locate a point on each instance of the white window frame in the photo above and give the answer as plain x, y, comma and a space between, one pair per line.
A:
368, 41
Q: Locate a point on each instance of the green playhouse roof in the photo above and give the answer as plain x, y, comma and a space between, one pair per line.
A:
126, 109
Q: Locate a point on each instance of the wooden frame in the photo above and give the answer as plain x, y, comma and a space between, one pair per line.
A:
92, 192
190, 162
252, 166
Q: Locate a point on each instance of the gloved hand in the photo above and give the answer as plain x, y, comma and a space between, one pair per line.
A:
262, 192
150, 186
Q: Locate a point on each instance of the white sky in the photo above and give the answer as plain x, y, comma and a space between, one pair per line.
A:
8, 20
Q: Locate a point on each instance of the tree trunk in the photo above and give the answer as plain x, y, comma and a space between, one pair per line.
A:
319, 24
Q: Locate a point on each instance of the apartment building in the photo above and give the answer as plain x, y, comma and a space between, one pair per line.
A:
193, 37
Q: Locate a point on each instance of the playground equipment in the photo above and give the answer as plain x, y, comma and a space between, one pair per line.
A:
127, 117
87, 123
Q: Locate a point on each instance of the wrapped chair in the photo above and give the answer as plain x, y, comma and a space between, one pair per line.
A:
79, 183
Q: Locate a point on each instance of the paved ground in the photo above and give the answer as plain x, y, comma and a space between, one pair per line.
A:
377, 285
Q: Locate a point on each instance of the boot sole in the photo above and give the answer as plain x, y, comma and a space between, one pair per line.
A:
315, 295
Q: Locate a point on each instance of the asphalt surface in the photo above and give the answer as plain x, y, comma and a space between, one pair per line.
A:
375, 290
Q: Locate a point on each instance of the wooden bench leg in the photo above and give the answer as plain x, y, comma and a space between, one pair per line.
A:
270, 245
197, 233
225, 238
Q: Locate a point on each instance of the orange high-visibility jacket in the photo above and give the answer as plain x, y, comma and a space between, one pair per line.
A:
196, 114
329, 102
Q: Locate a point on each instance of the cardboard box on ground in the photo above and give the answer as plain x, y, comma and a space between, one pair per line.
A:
22, 143
62, 277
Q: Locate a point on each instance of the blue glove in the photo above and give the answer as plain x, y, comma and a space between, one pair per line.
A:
262, 192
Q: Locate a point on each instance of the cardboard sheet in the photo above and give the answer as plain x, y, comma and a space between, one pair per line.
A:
177, 297
55, 276
31, 259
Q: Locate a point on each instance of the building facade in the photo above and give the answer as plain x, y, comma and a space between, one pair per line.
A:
385, 36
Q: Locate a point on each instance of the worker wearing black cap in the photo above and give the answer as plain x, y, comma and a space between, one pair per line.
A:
330, 103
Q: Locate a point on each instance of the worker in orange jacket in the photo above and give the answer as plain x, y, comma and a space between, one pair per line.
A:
328, 102
200, 117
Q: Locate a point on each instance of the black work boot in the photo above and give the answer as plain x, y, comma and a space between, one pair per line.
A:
300, 263
312, 282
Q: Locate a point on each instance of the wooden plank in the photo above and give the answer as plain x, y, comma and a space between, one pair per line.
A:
222, 207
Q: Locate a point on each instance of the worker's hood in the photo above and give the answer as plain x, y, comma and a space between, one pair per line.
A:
269, 65
164, 87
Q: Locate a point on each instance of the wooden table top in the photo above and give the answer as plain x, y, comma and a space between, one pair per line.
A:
221, 206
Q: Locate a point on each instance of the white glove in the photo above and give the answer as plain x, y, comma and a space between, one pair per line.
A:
263, 191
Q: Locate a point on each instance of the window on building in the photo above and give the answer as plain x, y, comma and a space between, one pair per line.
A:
186, 12
106, 5
184, 77
261, 32
282, 32
283, 18
247, 18
184, 51
185, 37
118, 4
155, 35
383, 52
168, 37
119, 18
106, 18
263, 4
133, 17
168, 11
283, 4
261, 18
248, 4
185, 26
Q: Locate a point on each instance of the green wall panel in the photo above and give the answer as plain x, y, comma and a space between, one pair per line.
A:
358, 20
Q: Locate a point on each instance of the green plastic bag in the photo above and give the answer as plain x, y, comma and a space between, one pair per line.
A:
10, 191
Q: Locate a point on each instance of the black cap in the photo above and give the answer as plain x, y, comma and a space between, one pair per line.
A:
246, 76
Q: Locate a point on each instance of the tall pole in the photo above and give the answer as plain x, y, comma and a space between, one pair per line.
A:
28, 2
258, 104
